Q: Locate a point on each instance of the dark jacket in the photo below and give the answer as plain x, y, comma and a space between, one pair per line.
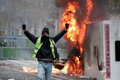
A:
46, 44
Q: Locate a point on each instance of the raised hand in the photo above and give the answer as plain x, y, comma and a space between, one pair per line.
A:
66, 26
23, 27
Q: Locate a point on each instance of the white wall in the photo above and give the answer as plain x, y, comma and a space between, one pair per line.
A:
114, 35
96, 37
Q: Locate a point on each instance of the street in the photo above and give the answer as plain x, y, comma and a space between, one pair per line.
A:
27, 70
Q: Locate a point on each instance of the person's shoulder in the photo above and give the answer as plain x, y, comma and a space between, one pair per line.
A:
38, 38
51, 37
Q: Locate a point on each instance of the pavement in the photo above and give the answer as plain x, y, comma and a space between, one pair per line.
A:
22, 70
27, 70
12, 70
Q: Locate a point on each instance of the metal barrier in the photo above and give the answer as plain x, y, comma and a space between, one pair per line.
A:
15, 53
12, 47
20, 48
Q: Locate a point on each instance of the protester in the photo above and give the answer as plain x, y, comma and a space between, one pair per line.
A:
45, 51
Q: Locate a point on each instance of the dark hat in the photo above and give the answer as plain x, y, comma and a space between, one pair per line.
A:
45, 30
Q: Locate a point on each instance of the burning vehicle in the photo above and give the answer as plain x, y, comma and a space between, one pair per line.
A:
89, 39
76, 33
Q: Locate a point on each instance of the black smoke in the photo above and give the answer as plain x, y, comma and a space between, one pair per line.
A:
99, 10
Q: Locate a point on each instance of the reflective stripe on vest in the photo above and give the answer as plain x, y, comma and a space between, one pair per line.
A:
38, 45
52, 44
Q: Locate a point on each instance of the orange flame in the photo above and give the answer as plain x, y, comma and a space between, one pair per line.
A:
76, 31
75, 67
29, 69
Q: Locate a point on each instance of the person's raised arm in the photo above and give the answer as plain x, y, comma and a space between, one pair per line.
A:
28, 34
59, 35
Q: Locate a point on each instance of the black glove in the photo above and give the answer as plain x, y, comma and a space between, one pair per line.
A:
66, 26
24, 27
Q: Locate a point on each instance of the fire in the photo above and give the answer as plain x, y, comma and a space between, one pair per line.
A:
29, 69
76, 31
64, 70
68, 17
75, 67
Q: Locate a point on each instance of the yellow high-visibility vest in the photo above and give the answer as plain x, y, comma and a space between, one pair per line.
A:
38, 45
